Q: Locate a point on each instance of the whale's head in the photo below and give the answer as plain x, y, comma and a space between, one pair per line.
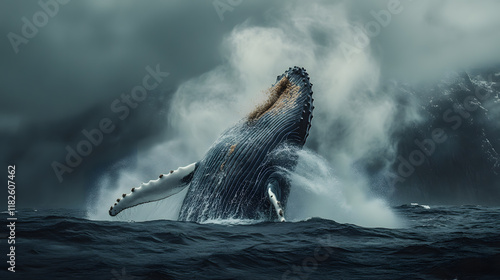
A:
289, 107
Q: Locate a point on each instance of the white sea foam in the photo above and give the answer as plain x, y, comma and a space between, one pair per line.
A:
421, 205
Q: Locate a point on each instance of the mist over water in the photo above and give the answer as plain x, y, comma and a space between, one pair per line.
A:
317, 192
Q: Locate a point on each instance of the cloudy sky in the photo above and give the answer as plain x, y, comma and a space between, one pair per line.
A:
64, 64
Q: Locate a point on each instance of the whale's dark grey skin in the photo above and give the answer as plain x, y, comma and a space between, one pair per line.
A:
241, 174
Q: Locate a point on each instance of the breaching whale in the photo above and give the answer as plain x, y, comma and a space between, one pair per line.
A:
241, 175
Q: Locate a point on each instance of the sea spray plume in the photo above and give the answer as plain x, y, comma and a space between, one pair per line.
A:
240, 177
318, 191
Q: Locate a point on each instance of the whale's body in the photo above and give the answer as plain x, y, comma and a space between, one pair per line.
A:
241, 174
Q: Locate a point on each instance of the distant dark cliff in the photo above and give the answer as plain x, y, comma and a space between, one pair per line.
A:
451, 156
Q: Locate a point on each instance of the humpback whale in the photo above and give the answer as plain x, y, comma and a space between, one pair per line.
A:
241, 175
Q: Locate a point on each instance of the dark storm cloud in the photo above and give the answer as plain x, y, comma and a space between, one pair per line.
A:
429, 37
90, 50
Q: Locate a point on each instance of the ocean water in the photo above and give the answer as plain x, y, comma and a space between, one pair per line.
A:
436, 242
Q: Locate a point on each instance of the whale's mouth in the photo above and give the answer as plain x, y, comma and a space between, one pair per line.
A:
282, 95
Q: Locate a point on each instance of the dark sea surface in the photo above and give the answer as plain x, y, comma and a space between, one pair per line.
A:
443, 242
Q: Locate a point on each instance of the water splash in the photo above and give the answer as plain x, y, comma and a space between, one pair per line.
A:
232, 221
414, 204
317, 192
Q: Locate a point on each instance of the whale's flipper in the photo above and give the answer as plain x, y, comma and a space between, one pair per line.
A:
163, 187
274, 194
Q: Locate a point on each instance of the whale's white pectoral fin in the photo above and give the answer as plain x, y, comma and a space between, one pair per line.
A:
166, 185
274, 199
